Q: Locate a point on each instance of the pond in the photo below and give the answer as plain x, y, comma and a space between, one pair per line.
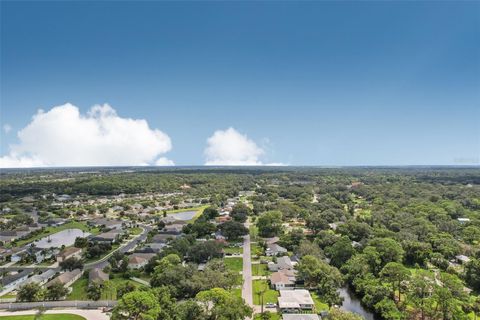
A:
352, 303
65, 237
184, 215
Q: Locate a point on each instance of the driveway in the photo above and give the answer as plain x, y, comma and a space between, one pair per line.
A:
247, 270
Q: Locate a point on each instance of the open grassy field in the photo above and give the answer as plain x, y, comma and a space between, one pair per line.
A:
233, 250
260, 270
59, 316
234, 264
79, 288
270, 295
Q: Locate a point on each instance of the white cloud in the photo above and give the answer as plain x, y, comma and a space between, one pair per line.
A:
231, 148
64, 137
7, 128
164, 162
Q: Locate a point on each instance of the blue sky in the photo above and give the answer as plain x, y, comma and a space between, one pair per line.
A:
309, 83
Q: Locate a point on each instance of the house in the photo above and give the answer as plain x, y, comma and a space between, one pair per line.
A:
169, 219
219, 236
163, 238
96, 275
294, 301
12, 282
283, 280
136, 262
106, 223
55, 222
67, 278
8, 236
18, 255
153, 247
70, 252
463, 220
300, 316
107, 237
222, 219
283, 263
42, 278
275, 250
271, 240
174, 229
462, 259
40, 254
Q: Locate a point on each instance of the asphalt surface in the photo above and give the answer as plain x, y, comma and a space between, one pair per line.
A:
247, 271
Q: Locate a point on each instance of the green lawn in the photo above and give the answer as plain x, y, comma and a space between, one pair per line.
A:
233, 250
51, 230
135, 231
79, 288
256, 250
237, 292
259, 269
270, 295
59, 316
273, 316
319, 305
234, 264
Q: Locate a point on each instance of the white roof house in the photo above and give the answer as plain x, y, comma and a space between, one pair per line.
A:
292, 300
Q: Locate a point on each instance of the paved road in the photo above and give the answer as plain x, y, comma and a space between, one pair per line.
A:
93, 314
247, 271
65, 304
102, 263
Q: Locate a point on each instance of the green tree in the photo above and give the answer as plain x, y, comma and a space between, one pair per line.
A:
56, 291
421, 287
94, 291
269, 224
395, 273
472, 273
219, 304
341, 251
324, 279
30, 292
137, 305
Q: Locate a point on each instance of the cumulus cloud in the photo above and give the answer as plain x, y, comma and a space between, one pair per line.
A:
63, 136
231, 148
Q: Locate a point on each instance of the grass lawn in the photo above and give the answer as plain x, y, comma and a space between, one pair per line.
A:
256, 250
237, 292
135, 231
319, 305
233, 250
59, 316
51, 230
273, 316
260, 270
270, 295
234, 264
79, 288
